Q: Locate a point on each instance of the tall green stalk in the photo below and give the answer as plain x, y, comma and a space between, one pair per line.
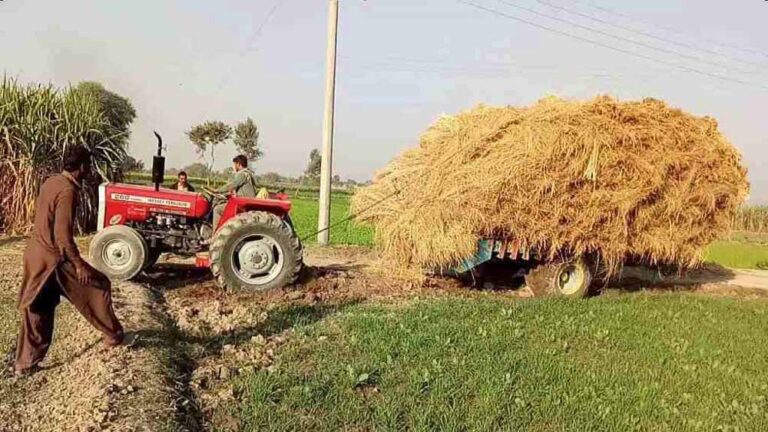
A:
37, 125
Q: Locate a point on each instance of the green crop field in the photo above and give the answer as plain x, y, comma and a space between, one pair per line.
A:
616, 363
304, 215
738, 254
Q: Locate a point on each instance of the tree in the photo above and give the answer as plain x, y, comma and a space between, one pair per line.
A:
272, 178
206, 137
197, 169
336, 180
117, 110
132, 165
313, 167
247, 139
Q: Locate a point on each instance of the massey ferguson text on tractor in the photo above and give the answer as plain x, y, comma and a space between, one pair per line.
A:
255, 246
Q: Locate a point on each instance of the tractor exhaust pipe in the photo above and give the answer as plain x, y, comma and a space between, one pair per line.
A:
158, 163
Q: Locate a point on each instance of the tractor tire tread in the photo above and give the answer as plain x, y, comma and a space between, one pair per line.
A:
539, 280
260, 218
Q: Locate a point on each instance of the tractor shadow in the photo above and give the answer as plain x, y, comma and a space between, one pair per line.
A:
280, 320
173, 275
313, 273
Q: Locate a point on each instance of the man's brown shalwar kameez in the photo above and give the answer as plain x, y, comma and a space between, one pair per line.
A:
50, 262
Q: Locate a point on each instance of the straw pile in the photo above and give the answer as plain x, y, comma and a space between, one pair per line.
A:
618, 179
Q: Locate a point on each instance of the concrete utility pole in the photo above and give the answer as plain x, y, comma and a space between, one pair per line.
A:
326, 170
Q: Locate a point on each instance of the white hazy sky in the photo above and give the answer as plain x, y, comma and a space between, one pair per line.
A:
402, 64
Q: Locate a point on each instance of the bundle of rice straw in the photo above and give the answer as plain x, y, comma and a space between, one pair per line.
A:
618, 179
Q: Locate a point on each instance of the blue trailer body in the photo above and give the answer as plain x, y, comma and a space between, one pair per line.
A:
487, 249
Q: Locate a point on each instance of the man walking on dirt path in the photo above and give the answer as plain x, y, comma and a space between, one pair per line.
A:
53, 268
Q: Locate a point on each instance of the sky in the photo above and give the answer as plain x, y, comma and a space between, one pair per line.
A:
402, 64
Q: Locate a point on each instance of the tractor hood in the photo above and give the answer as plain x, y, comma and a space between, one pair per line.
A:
122, 203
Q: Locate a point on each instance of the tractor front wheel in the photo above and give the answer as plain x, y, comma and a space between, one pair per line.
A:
569, 278
119, 252
256, 251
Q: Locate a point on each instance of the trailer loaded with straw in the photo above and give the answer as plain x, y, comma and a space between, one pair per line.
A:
560, 188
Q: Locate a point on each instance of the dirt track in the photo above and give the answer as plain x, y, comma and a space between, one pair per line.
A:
190, 339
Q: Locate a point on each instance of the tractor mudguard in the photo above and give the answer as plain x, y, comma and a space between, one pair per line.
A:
237, 205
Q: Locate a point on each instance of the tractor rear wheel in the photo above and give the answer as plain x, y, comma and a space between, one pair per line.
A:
569, 278
119, 252
256, 251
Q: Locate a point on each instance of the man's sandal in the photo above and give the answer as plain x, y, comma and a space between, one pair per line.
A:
27, 372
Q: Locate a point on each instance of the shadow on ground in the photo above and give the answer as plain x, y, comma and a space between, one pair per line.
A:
637, 278
506, 277
195, 286
279, 321
171, 276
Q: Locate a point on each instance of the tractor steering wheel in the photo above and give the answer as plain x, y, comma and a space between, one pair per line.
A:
213, 193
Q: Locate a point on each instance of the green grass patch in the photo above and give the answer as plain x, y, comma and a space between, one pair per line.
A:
738, 254
304, 216
634, 362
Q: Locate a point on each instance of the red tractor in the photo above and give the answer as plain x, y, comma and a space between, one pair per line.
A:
254, 247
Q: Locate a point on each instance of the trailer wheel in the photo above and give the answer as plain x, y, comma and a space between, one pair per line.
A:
256, 251
119, 252
567, 278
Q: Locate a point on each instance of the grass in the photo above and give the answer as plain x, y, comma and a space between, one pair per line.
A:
304, 216
634, 362
742, 254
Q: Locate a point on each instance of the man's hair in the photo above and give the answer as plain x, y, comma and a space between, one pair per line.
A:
242, 160
76, 157
183, 173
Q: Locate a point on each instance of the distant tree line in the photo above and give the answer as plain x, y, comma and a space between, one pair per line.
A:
203, 170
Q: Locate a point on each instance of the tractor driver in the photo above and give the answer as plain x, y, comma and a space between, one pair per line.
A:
243, 184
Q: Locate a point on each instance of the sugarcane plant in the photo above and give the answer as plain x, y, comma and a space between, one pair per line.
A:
37, 125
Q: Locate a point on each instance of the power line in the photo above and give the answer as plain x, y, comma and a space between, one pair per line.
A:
611, 47
625, 39
481, 69
255, 36
648, 34
668, 29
